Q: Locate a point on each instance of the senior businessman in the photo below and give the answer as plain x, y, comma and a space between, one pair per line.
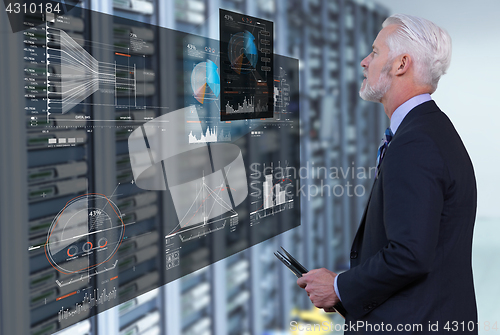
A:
411, 256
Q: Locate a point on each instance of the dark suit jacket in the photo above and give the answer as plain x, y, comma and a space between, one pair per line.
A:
411, 257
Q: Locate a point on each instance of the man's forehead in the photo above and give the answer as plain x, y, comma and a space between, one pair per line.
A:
382, 36
377, 44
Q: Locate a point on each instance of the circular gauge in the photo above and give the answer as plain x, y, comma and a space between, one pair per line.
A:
87, 246
86, 233
72, 250
103, 242
242, 52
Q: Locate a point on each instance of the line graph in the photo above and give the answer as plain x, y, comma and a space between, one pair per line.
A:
246, 107
211, 135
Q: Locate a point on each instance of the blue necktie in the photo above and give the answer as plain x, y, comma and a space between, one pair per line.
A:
383, 146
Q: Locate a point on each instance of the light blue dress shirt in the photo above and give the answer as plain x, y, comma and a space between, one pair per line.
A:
396, 119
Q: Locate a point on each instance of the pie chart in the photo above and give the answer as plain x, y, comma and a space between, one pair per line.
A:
243, 52
205, 81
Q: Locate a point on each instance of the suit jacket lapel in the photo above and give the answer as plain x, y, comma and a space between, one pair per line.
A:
361, 228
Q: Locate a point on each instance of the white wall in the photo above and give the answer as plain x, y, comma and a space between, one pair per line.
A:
469, 92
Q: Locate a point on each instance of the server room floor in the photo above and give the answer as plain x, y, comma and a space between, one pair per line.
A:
486, 267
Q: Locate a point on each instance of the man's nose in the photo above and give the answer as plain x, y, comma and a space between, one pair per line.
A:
364, 62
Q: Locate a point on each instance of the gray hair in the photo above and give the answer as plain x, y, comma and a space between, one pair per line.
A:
428, 45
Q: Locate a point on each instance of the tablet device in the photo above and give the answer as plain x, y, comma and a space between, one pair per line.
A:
298, 269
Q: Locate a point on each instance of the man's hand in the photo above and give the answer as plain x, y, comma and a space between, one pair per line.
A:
318, 284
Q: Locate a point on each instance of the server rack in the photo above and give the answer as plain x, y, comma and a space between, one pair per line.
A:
338, 130
14, 164
234, 297
54, 176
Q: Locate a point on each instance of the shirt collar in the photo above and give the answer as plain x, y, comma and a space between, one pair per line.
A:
400, 112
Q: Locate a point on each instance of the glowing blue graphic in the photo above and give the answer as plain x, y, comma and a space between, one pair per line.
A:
205, 81
241, 46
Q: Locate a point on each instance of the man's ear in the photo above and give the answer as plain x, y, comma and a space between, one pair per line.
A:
404, 64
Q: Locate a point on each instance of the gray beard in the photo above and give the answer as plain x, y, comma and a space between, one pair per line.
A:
376, 92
